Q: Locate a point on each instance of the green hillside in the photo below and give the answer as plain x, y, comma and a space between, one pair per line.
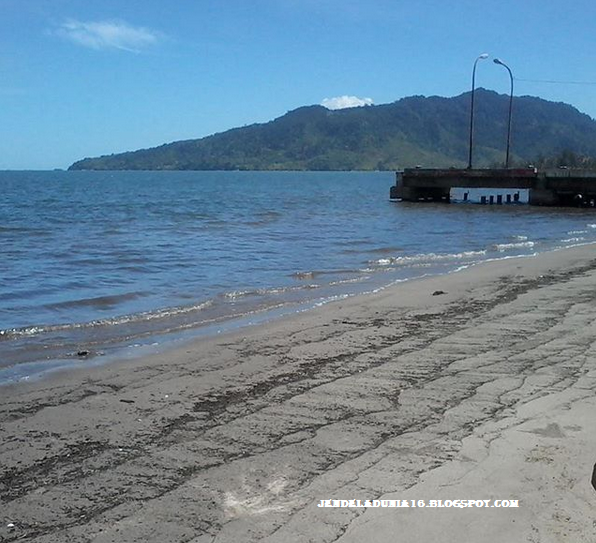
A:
429, 131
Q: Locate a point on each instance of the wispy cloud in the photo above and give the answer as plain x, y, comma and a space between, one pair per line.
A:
108, 35
342, 102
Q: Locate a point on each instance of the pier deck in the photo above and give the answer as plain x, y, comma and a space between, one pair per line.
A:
546, 187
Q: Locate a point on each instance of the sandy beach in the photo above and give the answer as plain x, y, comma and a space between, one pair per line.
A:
478, 385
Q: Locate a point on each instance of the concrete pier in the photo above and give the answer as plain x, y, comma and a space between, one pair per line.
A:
556, 187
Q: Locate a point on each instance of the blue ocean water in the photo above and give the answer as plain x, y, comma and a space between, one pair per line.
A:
103, 261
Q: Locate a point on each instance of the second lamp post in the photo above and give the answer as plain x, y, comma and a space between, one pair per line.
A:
483, 56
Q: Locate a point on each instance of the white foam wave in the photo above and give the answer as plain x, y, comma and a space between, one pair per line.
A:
159, 314
235, 294
501, 247
425, 258
123, 319
238, 294
347, 281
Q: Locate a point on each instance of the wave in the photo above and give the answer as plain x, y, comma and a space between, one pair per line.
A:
573, 240
23, 230
145, 316
100, 302
264, 218
236, 294
314, 273
304, 275
426, 257
374, 250
348, 281
501, 247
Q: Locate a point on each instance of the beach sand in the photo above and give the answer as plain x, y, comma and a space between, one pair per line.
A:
475, 385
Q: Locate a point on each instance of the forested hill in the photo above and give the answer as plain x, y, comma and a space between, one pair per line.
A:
429, 131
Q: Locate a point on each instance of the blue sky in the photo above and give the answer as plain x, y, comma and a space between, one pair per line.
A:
81, 78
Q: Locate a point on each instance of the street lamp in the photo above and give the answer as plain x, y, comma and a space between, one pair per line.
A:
483, 56
497, 61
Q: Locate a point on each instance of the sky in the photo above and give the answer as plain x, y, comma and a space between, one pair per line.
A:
81, 78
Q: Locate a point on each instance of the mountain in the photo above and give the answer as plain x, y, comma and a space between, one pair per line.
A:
429, 131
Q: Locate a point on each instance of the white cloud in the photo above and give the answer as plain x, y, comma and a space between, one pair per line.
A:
108, 35
342, 102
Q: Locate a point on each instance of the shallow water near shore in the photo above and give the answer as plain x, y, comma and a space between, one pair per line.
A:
98, 262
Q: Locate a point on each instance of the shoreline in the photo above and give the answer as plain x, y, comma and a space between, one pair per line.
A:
108, 350
159, 343
238, 436
171, 342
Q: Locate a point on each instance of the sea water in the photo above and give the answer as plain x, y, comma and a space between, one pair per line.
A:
100, 264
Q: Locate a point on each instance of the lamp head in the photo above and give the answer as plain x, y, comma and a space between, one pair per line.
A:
483, 56
498, 61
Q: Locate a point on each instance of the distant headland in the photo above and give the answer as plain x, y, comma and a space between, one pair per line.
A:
429, 131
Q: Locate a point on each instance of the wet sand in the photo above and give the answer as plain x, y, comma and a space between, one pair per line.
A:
476, 385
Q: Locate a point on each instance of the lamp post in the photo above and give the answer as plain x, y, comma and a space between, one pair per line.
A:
498, 61
483, 56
